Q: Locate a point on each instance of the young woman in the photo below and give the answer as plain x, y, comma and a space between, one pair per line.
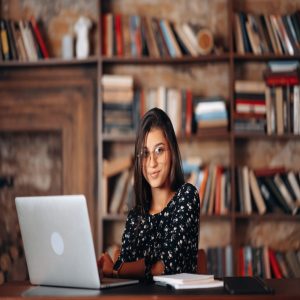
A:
161, 232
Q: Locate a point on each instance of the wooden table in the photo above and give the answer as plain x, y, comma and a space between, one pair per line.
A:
284, 289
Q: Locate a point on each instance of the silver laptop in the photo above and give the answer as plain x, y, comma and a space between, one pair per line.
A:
58, 242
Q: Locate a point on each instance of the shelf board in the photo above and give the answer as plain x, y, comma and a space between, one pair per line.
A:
251, 135
267, 217
49, 62
168, 60
215, 217
264, 57
118, 137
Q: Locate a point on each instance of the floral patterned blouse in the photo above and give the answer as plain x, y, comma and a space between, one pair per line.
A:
170, 235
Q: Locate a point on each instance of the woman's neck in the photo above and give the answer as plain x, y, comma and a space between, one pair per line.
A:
160, 199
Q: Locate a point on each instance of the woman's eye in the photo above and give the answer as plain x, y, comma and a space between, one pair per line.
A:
159, 150
145, 154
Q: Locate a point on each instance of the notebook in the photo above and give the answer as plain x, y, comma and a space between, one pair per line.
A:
183, 281
58, 242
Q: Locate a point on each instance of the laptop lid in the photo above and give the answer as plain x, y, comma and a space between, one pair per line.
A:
57, 240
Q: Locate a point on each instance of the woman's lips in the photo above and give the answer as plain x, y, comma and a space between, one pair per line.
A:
153, 175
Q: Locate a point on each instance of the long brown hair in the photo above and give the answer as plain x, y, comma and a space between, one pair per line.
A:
155, 118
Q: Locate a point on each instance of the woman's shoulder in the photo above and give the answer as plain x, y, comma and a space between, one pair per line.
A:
187, 188
187, 193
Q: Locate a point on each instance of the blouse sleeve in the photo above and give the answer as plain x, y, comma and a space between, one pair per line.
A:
179, 251
127, 253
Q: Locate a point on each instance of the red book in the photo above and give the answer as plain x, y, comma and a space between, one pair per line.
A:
251, 102
269, 171
241, 262
118, 35
274, 265
39, 37
189, 112
292, 80
247, 116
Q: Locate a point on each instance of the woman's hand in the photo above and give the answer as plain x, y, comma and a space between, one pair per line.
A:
158, 268
105, 265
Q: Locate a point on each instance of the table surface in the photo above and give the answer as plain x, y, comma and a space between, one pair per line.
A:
283, 289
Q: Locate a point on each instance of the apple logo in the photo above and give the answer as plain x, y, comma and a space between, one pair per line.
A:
57, 243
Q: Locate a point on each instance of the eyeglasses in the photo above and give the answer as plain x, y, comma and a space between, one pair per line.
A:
158, 153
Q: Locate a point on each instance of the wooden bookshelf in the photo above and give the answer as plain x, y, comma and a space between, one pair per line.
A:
208, 75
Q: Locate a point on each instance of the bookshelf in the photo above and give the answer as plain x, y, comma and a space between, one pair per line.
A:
207, 75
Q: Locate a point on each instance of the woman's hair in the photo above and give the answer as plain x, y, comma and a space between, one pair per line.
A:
155, 118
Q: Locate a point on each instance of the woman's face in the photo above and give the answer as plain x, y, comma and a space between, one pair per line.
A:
156, 159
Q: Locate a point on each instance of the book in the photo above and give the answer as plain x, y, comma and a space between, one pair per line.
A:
40, 40
259, 201
188, 281
117, 165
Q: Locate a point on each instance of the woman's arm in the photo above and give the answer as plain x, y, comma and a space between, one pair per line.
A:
135, 269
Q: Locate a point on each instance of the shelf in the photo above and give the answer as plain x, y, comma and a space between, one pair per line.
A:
168, 60
49, 62
251, 135
130, 138
264, 57
268, 217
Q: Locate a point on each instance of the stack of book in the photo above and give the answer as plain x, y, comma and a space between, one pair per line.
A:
250, 106
210, 113
118, 103
188, 281
268, 263
283, 97
268, 190
21, 40
136, 36
258, 34
220, 261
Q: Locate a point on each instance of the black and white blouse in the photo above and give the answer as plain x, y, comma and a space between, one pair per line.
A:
170, 236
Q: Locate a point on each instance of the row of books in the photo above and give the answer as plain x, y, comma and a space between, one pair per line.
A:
123, 105
136, 36
213, 184
220, 261
268, 263
268, 190
258, 34
22, 40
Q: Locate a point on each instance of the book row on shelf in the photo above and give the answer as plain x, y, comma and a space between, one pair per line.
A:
274, 33
22, 41
213, 184
271, 106
123, 105
259, 191
136, 36
269, 190
267, 263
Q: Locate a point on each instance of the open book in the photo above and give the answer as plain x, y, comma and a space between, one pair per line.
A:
188, 281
